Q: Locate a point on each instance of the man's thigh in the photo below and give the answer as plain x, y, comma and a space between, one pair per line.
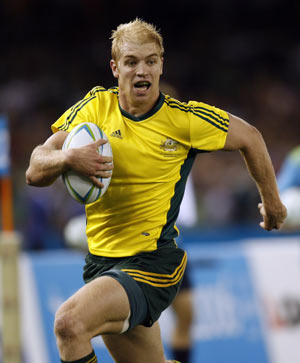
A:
139, 345
99, 307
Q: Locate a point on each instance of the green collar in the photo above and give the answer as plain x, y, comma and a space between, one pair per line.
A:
148, 114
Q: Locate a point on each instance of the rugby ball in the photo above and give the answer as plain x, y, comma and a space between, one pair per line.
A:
81, 188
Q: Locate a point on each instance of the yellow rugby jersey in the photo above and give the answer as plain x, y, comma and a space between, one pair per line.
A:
153, 155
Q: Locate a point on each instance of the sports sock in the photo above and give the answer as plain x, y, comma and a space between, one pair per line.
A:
91, 358
182, 355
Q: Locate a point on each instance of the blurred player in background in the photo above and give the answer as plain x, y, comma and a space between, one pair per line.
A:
289, 187
181, 340
134, 267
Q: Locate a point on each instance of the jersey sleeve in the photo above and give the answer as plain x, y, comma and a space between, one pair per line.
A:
208, 126
85, 110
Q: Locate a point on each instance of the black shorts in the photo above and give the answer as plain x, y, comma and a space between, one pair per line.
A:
151, 279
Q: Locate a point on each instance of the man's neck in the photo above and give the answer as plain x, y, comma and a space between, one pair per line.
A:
137, 109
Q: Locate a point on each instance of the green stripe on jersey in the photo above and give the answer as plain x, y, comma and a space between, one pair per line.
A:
204, 113
169, 231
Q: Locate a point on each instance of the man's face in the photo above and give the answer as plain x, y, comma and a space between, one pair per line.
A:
138, 71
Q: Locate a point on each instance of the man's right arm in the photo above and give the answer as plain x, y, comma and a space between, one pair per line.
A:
49, 161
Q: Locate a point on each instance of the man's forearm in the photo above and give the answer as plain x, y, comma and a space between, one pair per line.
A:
261, 169
45, 166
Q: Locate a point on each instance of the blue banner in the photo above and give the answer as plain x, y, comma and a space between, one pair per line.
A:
227, 325
58, 275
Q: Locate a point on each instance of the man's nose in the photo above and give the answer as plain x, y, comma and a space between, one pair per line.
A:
141, 69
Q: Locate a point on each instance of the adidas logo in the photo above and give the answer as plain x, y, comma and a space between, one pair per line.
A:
116, 134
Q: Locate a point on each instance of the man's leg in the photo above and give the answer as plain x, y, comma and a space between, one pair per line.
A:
99, 307
181, 340
138, 345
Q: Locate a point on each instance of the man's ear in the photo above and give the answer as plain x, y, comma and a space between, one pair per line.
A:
114, 68
162, 65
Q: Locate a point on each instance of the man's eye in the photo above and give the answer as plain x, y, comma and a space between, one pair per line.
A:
131, 63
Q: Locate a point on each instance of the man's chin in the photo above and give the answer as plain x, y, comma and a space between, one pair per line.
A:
141, 97
142, 92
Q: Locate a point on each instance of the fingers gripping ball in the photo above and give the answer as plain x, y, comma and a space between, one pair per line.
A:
81, 188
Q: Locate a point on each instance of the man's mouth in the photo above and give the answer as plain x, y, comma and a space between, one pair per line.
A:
142, 85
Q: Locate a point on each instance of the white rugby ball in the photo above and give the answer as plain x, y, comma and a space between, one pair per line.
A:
80, 187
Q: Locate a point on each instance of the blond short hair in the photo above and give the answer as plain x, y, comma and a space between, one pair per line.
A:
137, 31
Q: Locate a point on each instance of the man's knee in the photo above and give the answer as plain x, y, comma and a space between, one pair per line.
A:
66, 325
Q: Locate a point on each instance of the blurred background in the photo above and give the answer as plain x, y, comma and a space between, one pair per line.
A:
241, 56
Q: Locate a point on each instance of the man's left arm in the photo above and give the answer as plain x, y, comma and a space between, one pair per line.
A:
247, 139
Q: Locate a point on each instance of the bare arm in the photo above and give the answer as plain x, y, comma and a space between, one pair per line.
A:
248, 140
49, 161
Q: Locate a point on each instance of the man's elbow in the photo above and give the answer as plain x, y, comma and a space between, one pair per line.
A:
253, 138
36, 179
30, 178
241, 135
254, 132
